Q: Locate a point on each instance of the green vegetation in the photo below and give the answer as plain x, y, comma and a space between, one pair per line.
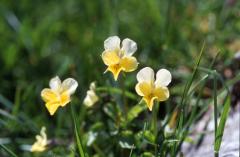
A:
195, 40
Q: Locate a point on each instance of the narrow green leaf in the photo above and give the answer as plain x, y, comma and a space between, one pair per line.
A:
215, 104
135, 111
149, 136
189, 83
181, 120
8, 151
187, 88
79, 144
117, 91
221, 126
130, 155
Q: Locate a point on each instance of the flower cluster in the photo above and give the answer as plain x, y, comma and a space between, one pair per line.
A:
120, 59
117, 57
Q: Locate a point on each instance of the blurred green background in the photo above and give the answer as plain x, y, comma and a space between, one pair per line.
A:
41, 39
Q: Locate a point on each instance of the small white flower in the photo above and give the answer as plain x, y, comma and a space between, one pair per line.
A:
41, 142
91, 97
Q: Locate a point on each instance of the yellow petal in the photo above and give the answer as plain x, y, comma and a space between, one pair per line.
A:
161, 93
129, 64
65, 98
115, 69
41, 141
149, 101
110, 57
36, 147
143, 89
52, 107
49, 95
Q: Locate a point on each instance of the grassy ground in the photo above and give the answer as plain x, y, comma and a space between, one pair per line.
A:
42, 39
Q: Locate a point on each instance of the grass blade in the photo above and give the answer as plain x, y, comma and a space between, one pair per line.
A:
189, 83
130, 155
215, 104
8, 151
76, 131
186, 90
181, 119
221, 126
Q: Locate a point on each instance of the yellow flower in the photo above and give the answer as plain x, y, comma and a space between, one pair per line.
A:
151, 89
91, 97
41, 143
119, 59
59, 93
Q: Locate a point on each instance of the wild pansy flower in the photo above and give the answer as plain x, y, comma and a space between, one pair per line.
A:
41, 142
59, 93
151, 89
91, 97
119, 59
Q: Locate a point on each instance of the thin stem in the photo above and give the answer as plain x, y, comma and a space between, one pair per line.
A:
76, 130
8, 150
154, 125
215, 103
215, 108
131, 150
125, 105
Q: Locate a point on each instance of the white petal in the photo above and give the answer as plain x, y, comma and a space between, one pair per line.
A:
163, 78
146, 74
112, 43
129, 46
55, 83
90, 99
93, 86
69, 85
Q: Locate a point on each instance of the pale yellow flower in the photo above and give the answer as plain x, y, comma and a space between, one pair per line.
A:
151, 89
59, 93
91, 97
41, 142
119, 59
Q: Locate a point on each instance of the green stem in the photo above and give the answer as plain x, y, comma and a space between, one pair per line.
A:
8, 150
215, 104
215, 108
154, 125
76, 131
125, 105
